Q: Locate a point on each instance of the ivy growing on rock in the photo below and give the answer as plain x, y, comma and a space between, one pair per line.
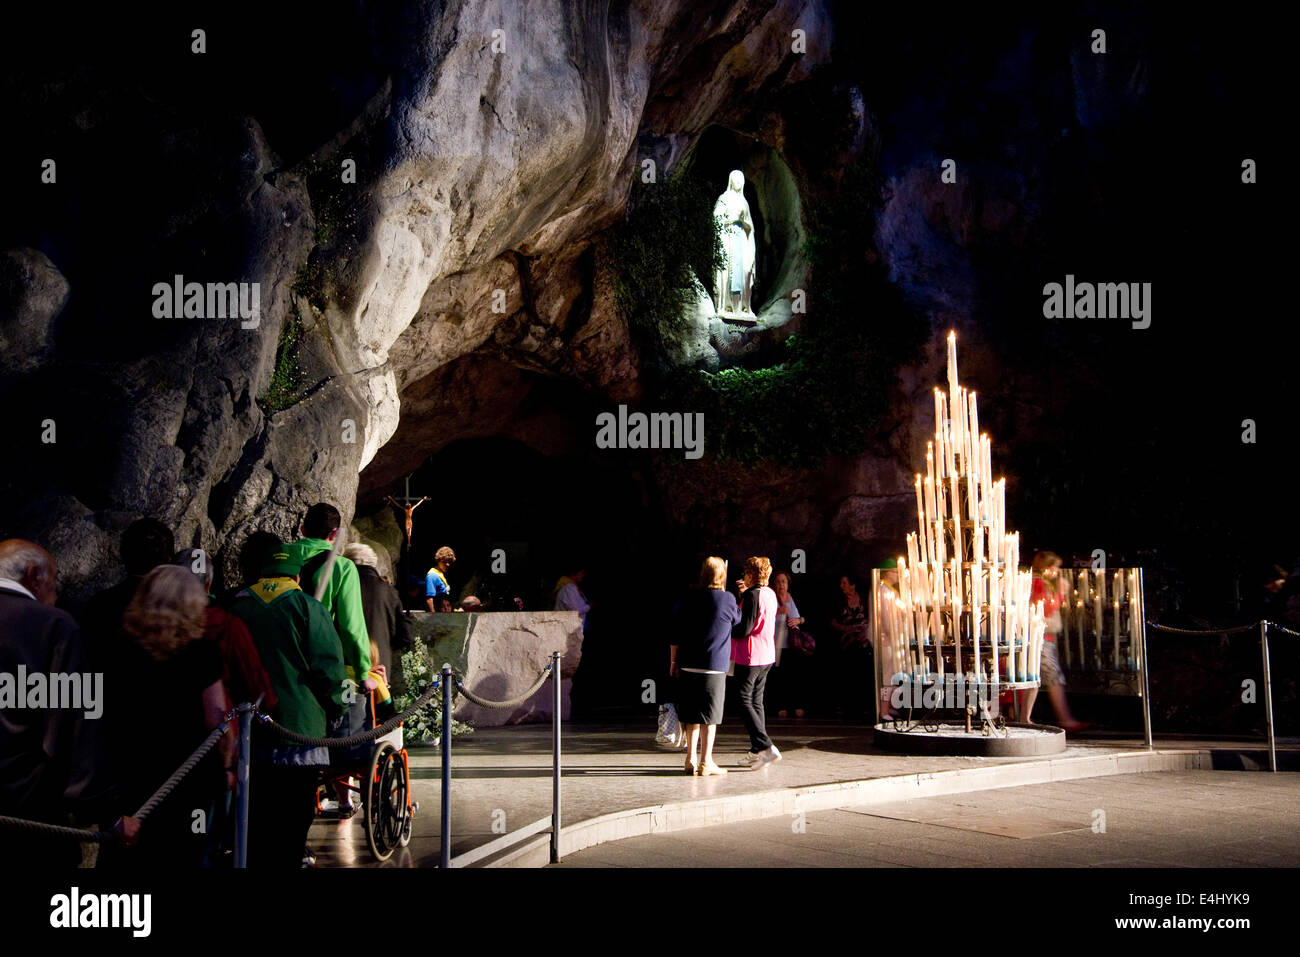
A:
668, 238
287, 378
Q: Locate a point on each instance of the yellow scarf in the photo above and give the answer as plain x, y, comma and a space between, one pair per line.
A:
269, 589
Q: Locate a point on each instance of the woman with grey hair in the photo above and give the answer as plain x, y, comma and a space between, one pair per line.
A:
390, 631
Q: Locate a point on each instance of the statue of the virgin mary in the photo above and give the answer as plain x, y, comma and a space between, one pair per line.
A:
734, 283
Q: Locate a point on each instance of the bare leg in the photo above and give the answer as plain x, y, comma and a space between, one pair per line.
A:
692, 738
710, 730
1027, 699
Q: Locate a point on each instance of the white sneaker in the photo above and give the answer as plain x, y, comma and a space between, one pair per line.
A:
772, 754
753, 759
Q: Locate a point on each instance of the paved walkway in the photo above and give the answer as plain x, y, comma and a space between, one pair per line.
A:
502, 779
1158, 819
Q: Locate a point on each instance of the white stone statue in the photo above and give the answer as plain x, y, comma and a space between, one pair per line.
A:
734, 282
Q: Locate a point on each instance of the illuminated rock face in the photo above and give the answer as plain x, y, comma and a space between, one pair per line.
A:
490, 144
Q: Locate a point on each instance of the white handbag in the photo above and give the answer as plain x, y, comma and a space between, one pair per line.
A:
670, 731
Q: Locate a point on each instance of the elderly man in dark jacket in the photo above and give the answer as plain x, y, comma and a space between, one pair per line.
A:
386, 621
51, 754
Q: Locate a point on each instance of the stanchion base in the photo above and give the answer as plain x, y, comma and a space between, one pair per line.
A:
1020, 740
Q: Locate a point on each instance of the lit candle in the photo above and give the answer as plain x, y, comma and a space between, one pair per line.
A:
940, 438
1002, 516
920, 508
958, 420
952, 364
986, 480
1119, 579
976, 449
1099, 599
1132, 619
938, 409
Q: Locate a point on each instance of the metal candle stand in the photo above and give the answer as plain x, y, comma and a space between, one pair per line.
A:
962, 601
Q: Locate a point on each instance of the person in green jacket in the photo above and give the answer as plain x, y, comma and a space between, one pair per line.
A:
342, 598
301, 652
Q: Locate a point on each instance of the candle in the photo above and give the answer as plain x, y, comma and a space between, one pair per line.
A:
937, 631
955, 598
1078, 626
952, 364
993, 620
1001, 516
941, 438
920, 507
1115, 595
976, 446
986, 480
1098, 598
957, 418
938, 409
1134, 645
949, 451
971, 497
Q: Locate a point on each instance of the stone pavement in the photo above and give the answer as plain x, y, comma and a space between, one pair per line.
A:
501, 782
1157, 819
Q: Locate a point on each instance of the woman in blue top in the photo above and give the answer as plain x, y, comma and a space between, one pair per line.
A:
699, 661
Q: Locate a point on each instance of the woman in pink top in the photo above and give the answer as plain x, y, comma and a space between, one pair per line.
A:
753, 649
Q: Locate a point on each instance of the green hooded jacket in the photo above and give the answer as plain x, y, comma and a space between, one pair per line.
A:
342, 599
300, 650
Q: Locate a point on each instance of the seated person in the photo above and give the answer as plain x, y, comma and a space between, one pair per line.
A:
384, 707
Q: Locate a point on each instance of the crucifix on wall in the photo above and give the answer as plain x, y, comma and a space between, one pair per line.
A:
408, 505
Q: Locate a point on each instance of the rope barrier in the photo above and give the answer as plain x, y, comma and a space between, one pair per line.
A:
179, 774
160, 795
1272, 626
22, 824
167, 787
1212, 631
352, 740
512, 702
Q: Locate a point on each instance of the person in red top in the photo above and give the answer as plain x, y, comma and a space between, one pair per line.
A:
241, 666
1050, 589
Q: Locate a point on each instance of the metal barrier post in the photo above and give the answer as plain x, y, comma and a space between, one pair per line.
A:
555, 747
241, 784
445, 837
1143, 664
1268, 696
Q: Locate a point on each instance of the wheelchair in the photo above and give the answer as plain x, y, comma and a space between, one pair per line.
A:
384, 794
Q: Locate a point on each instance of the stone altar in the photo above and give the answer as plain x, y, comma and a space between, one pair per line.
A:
500, 655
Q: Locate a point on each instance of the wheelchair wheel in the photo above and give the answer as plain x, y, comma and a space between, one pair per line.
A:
385, 802
408, 813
